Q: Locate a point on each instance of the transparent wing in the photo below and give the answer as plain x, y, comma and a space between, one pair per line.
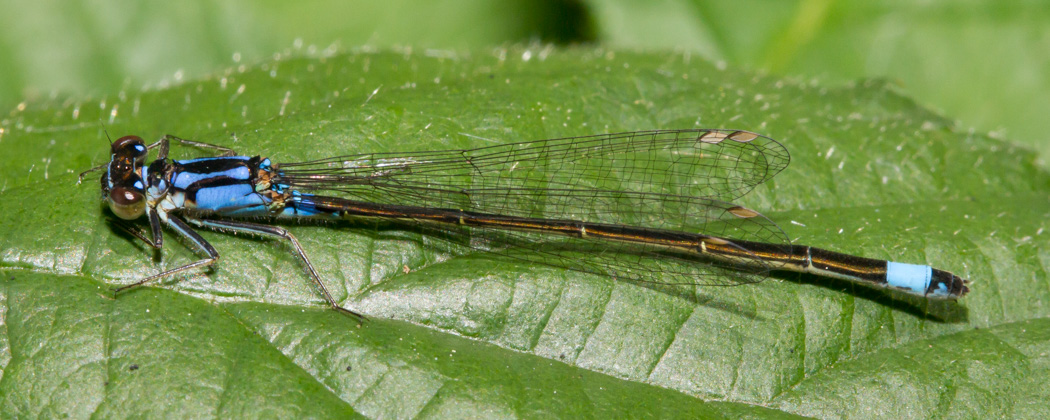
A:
672, 180
570, 178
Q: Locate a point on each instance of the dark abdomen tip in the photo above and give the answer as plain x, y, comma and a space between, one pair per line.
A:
948, 285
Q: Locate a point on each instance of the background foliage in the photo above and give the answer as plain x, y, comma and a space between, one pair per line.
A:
983, 62
873, 173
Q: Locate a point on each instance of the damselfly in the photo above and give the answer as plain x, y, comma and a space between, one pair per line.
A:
646, 206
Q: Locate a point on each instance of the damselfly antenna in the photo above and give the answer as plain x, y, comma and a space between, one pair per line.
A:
80, 178
105, 131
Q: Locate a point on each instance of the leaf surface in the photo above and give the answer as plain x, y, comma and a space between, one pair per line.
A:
458, 335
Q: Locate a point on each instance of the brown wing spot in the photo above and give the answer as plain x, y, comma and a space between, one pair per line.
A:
713, 137
716, 241
743, 136
742, 212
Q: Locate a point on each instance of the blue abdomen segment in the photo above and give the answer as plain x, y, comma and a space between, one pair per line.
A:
300, 205
913, 278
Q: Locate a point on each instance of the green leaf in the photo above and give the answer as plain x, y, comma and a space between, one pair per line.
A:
474, 335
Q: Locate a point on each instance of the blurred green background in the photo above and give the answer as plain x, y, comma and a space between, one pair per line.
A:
985, 63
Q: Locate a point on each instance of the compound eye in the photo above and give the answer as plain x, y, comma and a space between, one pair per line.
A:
127, 203
132, 147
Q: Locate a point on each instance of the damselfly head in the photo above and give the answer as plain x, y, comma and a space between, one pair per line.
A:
122, 184
131, 148
127, 150
127, 203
